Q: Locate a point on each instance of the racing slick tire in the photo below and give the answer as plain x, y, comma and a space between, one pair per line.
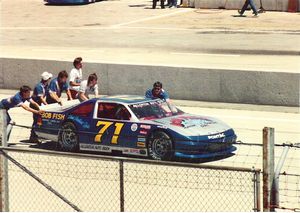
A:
68, 138
160, 146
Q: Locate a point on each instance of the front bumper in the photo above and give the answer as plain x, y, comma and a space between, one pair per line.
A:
225, 152
205, 149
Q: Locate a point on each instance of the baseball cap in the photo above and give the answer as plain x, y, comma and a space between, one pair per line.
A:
46, 75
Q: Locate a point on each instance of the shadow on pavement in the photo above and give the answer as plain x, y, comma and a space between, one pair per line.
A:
53, 146
138, 5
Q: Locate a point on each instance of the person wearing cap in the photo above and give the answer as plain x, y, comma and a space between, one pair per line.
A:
88, 87
157, 92
39, 96
75, 77
56, 87
18, 100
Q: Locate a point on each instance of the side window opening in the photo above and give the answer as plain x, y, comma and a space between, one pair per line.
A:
113, 111
84, 110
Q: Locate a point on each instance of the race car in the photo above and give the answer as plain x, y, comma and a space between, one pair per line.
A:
69, 1
135, 125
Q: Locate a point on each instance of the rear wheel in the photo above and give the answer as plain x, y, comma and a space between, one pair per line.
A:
68, 138
160, 146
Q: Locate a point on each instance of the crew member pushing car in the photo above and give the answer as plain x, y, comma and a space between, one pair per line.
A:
88, 87
56, 87
39, 96
18, 100
157, 92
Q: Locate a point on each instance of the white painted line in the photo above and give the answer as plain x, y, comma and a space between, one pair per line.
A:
205, 54
55, 28
152, 18
66, 50
297, 120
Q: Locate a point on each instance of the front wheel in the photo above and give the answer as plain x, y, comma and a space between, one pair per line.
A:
68, 138
160, 146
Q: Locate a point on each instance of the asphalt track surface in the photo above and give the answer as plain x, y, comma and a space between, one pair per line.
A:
184, 37
247, 121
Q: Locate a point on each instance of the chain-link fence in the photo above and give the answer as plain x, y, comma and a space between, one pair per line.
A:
49, 181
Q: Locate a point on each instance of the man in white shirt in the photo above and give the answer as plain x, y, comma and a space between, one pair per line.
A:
88, 87
75, 77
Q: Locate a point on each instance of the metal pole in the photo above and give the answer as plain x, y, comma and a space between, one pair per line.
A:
4, 165
275, 188
268, 167
256, 186
258, 201
121, 186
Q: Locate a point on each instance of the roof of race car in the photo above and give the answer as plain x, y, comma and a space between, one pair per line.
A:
127, 99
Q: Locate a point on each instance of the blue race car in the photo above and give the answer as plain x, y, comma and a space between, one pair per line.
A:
69, 1
135, 125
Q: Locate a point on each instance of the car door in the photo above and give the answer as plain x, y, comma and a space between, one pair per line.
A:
111, 122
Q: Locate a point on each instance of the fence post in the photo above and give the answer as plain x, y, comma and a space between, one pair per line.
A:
268, 167
121, 168
4, 165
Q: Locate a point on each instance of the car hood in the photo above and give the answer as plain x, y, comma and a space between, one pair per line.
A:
194, 125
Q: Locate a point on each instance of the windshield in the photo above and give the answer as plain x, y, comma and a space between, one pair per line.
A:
154, 110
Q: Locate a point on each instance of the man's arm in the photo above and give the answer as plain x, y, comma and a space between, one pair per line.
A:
69, 94
82, 96
96, 91
36, 106
43, 100
24, 106
148, 93
54, 96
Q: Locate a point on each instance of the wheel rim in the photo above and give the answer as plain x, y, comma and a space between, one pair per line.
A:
160, 147
68, 137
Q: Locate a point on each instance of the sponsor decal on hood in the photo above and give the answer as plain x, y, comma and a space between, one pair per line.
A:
190, 121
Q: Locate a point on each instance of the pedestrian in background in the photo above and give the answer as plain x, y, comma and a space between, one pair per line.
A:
75, 77
246, 4
173, 4
162, 4
18, 100
56, 87
39, 96
88, 87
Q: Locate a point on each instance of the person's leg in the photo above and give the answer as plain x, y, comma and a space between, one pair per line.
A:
162, 4
154, 4
33, 136
241, 12
252, 5
9, 126
174, 3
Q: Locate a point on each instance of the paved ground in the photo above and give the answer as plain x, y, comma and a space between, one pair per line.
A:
128, 31
248, 122
173, 37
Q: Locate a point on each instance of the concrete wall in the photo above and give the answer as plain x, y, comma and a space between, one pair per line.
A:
276, 5
182, 83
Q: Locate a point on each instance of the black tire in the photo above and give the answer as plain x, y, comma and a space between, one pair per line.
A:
160, 146
68, 138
